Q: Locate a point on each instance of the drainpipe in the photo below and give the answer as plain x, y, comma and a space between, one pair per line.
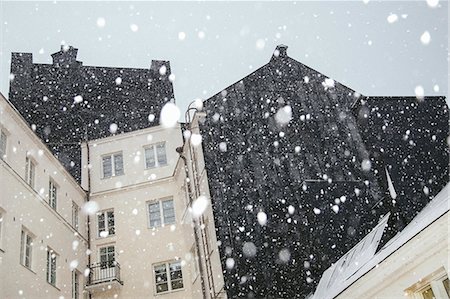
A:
196, 225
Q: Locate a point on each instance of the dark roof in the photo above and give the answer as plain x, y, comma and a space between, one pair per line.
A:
333, 132
66, 99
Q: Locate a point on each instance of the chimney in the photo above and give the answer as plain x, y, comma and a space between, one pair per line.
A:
160, 68
280, 51
66, 56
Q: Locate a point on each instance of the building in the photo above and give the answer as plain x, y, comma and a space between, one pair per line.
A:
413, 264
322, 163
263, 188
44, 235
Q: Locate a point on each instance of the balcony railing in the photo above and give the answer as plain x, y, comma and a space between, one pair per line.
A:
104, 272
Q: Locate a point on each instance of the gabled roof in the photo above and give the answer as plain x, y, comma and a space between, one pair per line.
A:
438, 206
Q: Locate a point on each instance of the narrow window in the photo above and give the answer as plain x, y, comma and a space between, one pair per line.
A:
107, 257
75, 216
29, 172
1, 226
3, 139
112, 165
194, 260
52, 194
51, 267
26, 249
155, 155
106, 225
161, 213
75, 284
168, 277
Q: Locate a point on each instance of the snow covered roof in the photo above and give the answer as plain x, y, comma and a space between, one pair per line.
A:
331, 285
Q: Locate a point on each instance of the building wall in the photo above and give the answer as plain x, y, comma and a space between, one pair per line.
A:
426, 253
205, 226
26, 208
138, 247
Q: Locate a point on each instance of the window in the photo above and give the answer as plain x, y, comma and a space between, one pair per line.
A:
435, 285
161, 213
194, 261
3, 139
52, 194
105, 220
26, 248
75, 284
29, 171
51, 267
112, 165
2, 216
155, 155
75, 210
107, 257
168, 277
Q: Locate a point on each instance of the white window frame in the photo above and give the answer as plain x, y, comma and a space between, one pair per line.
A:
107, 228
75, 215
53, 194
76, 284
152, 148
434, 281
2, 221
25, 247
162, 217
30, 171
108, 262
168, 277
52, 266
113, 165
3, 143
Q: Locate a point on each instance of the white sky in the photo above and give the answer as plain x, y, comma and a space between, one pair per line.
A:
350, 41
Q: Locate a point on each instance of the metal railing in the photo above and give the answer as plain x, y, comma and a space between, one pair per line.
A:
104, 272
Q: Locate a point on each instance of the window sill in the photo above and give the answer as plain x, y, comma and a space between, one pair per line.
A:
169, 292
155, 167
105, 238
29, 269
113, 176
54, 286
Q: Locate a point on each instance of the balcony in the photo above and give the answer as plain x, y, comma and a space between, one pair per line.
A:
104, 276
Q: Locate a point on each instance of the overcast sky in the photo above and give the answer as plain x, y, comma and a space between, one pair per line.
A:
376, 48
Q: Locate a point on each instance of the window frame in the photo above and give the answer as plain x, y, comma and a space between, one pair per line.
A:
75, 284
75, 215
106, 220
2, 221
168, 273
4, 135
26, 235
108, 263
53, 196
434, 281
113, 164
30, 171
162, 218
52, 266
154, 150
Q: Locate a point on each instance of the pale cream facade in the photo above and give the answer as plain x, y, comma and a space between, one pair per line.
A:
127, 230
40, 217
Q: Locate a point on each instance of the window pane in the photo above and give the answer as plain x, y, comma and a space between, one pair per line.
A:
161, 154
107, 170
428, 294
2, 144
31, 174
168, 212
111, 228
163, 287
118, 164
154, 214
149, 157
446, 283
101, 222
177, 284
